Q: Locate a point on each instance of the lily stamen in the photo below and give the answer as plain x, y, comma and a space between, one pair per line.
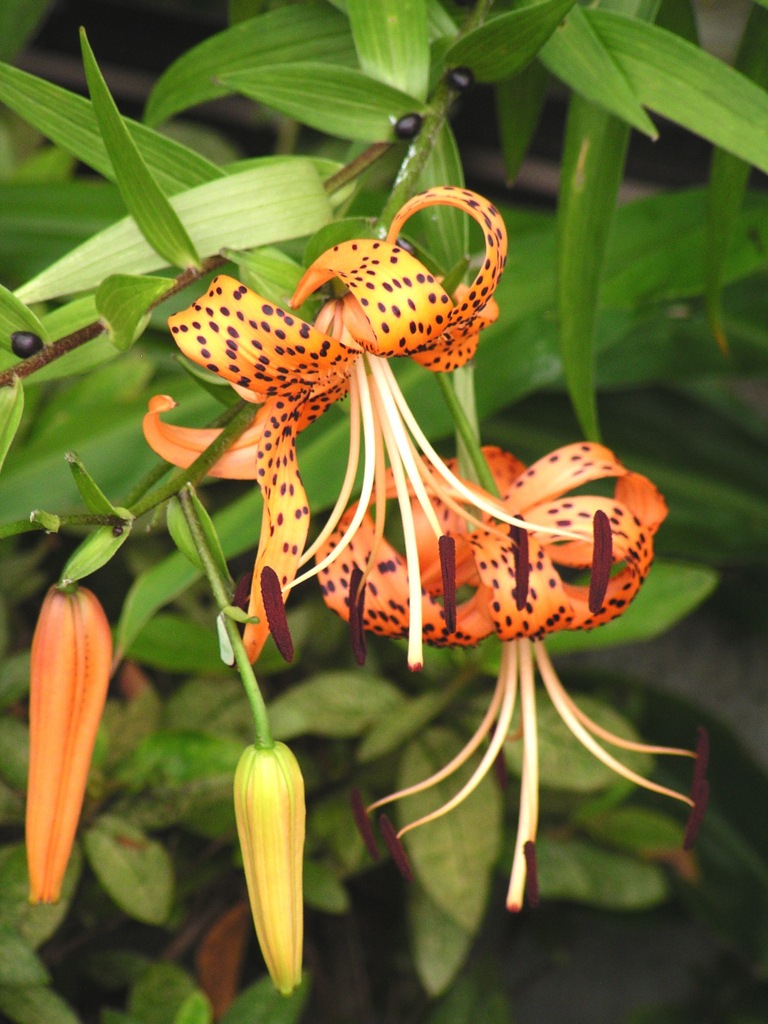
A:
602, 559
274, 608
446, 547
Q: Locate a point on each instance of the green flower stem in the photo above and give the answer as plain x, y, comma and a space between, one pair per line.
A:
460, 398
356, 167
221, 589
439, 105
241, 418
17, 526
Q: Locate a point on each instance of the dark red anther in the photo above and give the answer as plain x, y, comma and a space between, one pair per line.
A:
500, 770
446, 547
702, 759
602, 560
356, 612
531, 874
395, 847
363, 822
700, 796
522, 565
242, 592
272, 596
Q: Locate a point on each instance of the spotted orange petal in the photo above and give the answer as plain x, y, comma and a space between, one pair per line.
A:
561, 471
255, 344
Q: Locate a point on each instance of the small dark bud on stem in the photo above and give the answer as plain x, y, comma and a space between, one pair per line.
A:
25, 344
408, 126
460, 78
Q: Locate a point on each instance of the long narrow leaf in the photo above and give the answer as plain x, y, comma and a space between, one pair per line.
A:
684, 84
69, 121
337, 100
506, 44
149, 207
519, 102
15, 316
577, 56
593, 164
313, 32
729, 175
266, 204
392, 43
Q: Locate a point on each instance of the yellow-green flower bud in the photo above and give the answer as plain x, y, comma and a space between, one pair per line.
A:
269, 805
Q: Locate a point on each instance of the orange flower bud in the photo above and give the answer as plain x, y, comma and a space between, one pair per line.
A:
70, 667
270, 811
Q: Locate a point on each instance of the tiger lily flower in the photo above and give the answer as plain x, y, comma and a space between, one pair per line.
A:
392, 307
69, 674
517, 592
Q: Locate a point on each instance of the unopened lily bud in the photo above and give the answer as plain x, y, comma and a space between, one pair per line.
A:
70, 667
270, 810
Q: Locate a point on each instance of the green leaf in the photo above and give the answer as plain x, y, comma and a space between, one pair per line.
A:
440, 945
93, 496
504, 45
478, 995
175, 643
687, 85
519, 102
19, 966
271, 202
729, 175
284, 36
564, 763
670, 593
134, 870
18, 21
11, 408
637, 830
175, 757
593, 164
14, 743
15, 316
575, 53
392, 43
124, 302
35, 924
69, 121
333, 99
453, 856
32, 1005
196, 1009
262, 1002
146, 201
323, 890
401, 724
159, 993
445, 229
270, 272
332, 704
576, 870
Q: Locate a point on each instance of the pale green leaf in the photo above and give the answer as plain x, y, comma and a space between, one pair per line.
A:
35, 924
11, 408
135, 871
18, 21
196, 1009
312, 32
440, 945
98, 548
576, 55
262, 1002
333, 704
146, 202
452, 856
124, 302
575, 870
271, 202
16, 316
33, 1004
504, 45
94, 498
159, 993
68, 120
336, 100
685, 84
175, 644
392, 43
19, 965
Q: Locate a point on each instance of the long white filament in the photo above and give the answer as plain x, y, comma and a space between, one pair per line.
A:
528, 818
560, 700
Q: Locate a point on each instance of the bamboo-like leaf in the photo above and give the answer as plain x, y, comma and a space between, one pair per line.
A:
16, 316
575, 53
69, 121
684, 84
94, 498
18, 21
268, 203
124, 301
729, 175
146, 202
336, 100
392, 43
519, 101
11, 408
593, 163
283, 36
506, 44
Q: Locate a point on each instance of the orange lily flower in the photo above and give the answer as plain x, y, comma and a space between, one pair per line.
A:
518, 593
393, 307
70, 668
